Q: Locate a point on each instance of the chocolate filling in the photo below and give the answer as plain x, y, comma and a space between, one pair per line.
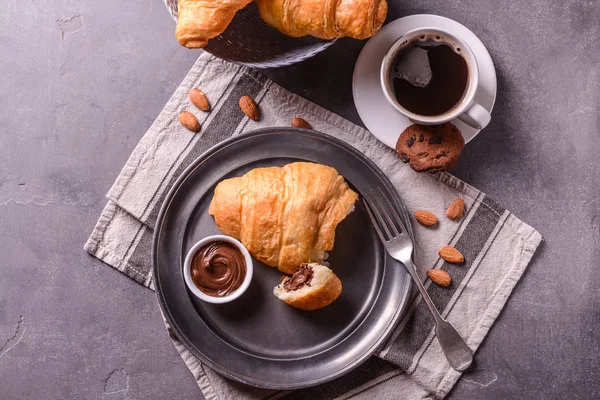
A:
302, 276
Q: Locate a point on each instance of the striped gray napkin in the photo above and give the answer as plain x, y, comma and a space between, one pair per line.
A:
497, 245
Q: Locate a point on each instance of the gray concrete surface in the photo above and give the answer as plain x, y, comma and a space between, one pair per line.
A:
80, 82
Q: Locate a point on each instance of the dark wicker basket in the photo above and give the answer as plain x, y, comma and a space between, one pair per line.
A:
249, 41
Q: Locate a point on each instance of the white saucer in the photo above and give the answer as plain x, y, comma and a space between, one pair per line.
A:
384, 122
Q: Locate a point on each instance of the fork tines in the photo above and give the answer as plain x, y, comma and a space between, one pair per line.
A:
383, 215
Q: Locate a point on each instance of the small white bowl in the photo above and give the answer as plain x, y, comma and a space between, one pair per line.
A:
187, 273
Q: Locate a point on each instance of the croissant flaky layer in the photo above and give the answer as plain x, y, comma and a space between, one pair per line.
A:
201, 20
285, 216
326, 19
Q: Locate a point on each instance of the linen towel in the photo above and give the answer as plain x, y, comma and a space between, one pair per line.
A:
497, 246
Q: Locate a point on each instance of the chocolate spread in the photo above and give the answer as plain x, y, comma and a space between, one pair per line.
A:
218, 268
302, 276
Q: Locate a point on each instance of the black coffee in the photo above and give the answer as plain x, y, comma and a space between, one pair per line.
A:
447, 84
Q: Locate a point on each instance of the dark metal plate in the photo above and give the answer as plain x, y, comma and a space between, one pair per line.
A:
249, 41
258, 339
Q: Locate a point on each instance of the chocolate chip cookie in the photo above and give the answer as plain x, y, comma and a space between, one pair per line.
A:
430, 148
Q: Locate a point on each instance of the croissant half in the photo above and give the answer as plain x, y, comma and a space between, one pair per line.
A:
285, 216
201, 20
326, 19
312, 286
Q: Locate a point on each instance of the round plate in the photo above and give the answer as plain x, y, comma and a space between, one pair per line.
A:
258, 339
384, 122
250, 41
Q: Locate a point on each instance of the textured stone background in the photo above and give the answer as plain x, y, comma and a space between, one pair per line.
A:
81, 81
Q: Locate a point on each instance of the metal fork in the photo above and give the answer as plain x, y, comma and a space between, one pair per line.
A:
399, 245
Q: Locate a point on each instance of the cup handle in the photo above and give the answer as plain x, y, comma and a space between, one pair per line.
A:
476, 116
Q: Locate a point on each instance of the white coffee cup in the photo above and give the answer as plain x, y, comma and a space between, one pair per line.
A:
466, 109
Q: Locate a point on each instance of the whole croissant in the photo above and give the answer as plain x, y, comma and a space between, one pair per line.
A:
326, 19
285, 216
201, 20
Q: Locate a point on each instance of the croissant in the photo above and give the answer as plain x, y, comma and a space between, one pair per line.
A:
285, 216
201, 20
326, 19
312, 286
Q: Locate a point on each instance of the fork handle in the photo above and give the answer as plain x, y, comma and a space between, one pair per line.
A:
455, 349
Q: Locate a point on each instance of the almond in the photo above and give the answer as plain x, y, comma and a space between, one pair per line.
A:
199, 99
190, 121
456, 209
426, 218
172, 334
452, 255
300, 123
249, 108
439, 277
